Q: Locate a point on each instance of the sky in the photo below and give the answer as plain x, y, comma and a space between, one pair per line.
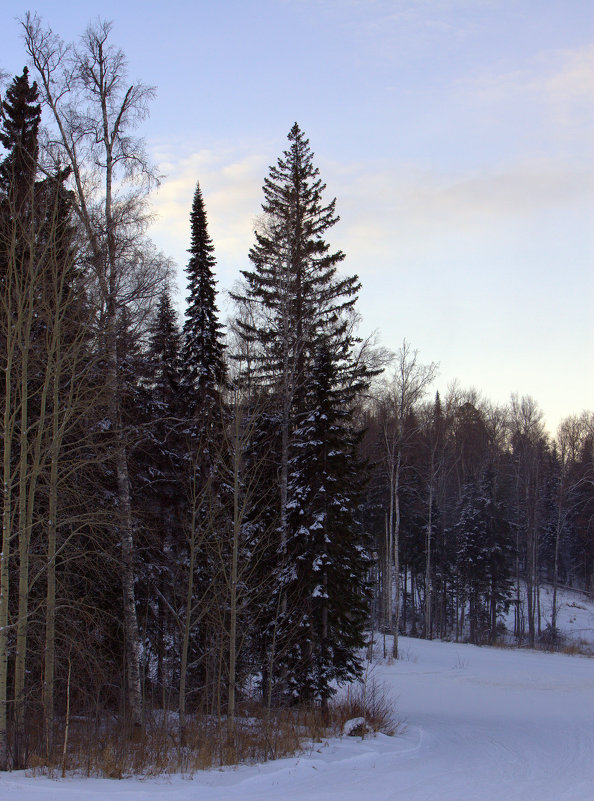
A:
456, 135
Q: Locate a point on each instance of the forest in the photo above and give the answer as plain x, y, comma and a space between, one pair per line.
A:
199, 515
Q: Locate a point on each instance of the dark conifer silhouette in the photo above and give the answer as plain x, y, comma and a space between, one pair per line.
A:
327, 590
203, 350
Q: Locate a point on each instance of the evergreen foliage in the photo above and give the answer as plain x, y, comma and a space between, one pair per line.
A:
202, 353
21, 118
160, 478
327, 591
483, 556
206, 495
293, 290
300, 313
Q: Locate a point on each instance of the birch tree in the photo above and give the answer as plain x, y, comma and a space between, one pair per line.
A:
410, 381
94, 111
529, 440
45, 338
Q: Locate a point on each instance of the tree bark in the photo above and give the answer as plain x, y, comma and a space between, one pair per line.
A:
8, 433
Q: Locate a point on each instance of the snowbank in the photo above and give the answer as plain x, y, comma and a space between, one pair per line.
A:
482, 724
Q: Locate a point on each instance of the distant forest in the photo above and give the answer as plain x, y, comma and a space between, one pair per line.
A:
195, 514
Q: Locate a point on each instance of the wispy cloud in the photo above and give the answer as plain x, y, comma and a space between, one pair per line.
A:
408, 210
561, 80
230, 180
574, 77
401, 208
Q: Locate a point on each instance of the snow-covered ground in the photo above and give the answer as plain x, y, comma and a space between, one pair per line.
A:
482, 724
575, 616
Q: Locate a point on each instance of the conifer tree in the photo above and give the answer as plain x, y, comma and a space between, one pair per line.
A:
293, 291
21, 274
163, 444
299, 309
327, 590
202, 352
203, 384
483, 555
21, 117
164, 355
159, 469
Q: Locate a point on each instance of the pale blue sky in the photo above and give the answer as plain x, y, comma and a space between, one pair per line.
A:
456, 135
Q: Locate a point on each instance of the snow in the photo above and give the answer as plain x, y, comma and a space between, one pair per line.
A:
354, 725
575, 616
481, 724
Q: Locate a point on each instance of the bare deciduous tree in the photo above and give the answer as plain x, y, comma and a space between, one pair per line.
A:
94, 111
407, 387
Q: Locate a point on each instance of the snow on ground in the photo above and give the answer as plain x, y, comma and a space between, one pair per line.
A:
575, 617
482, 724
575, 614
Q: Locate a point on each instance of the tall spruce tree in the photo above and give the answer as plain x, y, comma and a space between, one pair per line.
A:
159, 464
298, 309
203, 350
293, 291
204, 379
21, 116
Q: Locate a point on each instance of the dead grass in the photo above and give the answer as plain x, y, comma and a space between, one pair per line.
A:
577, 648
110, 749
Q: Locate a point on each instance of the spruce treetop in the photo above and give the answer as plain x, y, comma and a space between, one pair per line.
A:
293, 289
21, 117
164, 348
203, 348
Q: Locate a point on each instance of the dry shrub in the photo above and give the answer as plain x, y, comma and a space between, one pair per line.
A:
109, 747
371, 701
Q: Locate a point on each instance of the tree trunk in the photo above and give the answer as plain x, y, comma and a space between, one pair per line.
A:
233, 580
404, 597
530, 571
187, 627
7, 431
131, 630
428, 628
24, 537
50, 614
130, 616
558, 530
396, 548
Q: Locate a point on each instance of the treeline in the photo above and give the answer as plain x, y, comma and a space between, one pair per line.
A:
474, 508
192, 516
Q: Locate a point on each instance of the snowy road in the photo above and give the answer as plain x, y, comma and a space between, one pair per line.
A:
482, 724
